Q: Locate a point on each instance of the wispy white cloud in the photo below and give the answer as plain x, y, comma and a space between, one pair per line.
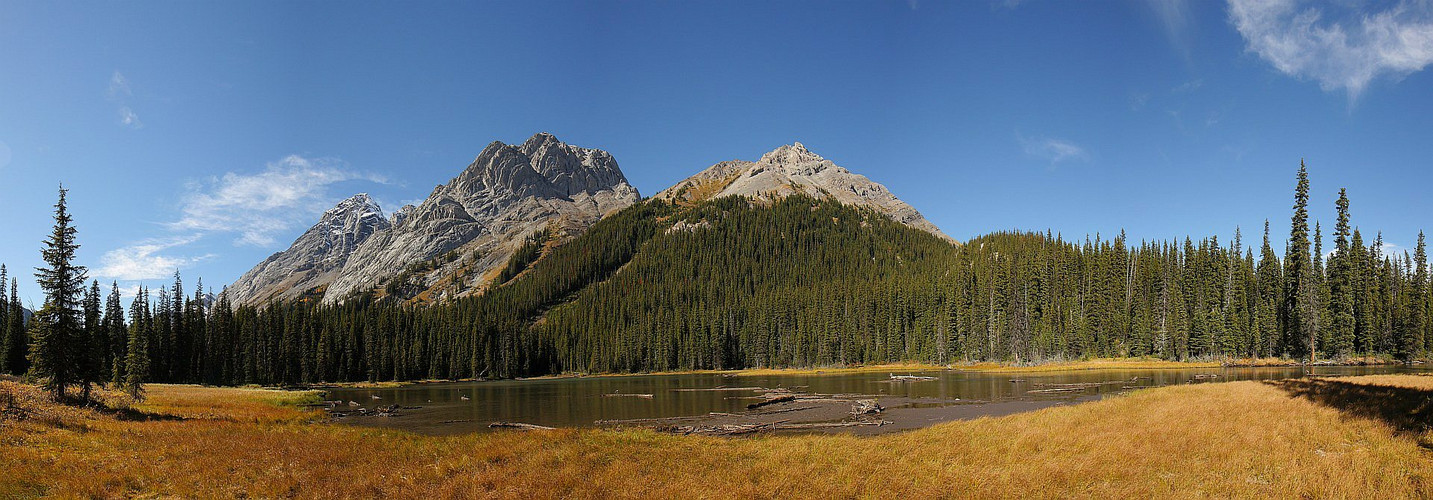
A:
131, 291
143, 260
119, 86
128, 118
1187, 87
120, 93
1341, 52
1138, 100
1051, 149
259, 206
1174, 17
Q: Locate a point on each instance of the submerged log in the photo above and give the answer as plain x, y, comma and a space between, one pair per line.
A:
1056, 390
771, 401
910, 378
520, 426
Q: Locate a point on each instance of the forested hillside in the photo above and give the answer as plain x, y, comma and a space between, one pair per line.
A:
798, 281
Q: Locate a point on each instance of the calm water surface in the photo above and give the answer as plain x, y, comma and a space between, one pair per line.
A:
581, 402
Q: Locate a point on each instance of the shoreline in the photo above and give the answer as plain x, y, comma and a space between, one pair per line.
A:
898, 368
1355, 436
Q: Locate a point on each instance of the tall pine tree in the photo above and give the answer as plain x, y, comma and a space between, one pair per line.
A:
17, 334
1341, 282
1415, 307
1299, 314
136, 359
58, 345
5, 341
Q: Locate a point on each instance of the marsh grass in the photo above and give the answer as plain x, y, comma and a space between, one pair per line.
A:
1327, 438
1091, 364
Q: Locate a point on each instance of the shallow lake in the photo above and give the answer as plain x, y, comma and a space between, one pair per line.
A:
462, 407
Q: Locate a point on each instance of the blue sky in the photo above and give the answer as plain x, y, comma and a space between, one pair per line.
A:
204, 136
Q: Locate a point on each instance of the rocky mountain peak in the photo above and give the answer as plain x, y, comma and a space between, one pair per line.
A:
486, 212
792, 169
359, 205
572, 170
315, 256
401, 214
790, 154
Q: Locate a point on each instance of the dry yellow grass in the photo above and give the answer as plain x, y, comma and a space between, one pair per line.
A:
893, 368
1325, 438
1092, 364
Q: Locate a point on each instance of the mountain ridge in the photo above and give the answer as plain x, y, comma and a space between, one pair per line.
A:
791, 169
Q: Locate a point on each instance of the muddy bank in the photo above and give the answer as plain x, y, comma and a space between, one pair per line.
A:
785, 411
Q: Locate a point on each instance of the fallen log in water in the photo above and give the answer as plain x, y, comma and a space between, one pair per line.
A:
620, 395
771, 401
910, 378
721, 389
1077, 385
640, 421
773, 412
519, 425
1056, 390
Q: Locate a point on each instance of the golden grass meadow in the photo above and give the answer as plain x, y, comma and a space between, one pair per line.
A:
1353, 437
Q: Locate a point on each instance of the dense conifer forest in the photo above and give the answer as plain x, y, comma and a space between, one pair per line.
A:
735, 283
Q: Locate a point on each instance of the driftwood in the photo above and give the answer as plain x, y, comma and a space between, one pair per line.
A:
519, 425
1057, 390
771, 401
620, 395
721, 429
1205, 376
865, 407
380, 411
910, 378
720, 389
1077, 385
782, 425
638, 421
773, 412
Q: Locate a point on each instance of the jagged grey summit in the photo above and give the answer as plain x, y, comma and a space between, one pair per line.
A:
474, 222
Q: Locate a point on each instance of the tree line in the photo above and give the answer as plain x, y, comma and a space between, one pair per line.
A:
733, 283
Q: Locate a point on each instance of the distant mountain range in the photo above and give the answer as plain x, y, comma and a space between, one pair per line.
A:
520, 200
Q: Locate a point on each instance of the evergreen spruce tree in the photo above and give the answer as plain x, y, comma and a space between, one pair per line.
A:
1299, 312
136, 360
116, 333
1341, 270
17, 331
58, 346
5, 341
92, 362
1415, 305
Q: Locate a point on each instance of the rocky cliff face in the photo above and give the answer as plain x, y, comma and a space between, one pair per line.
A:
794, 169
468, 228
315, 258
